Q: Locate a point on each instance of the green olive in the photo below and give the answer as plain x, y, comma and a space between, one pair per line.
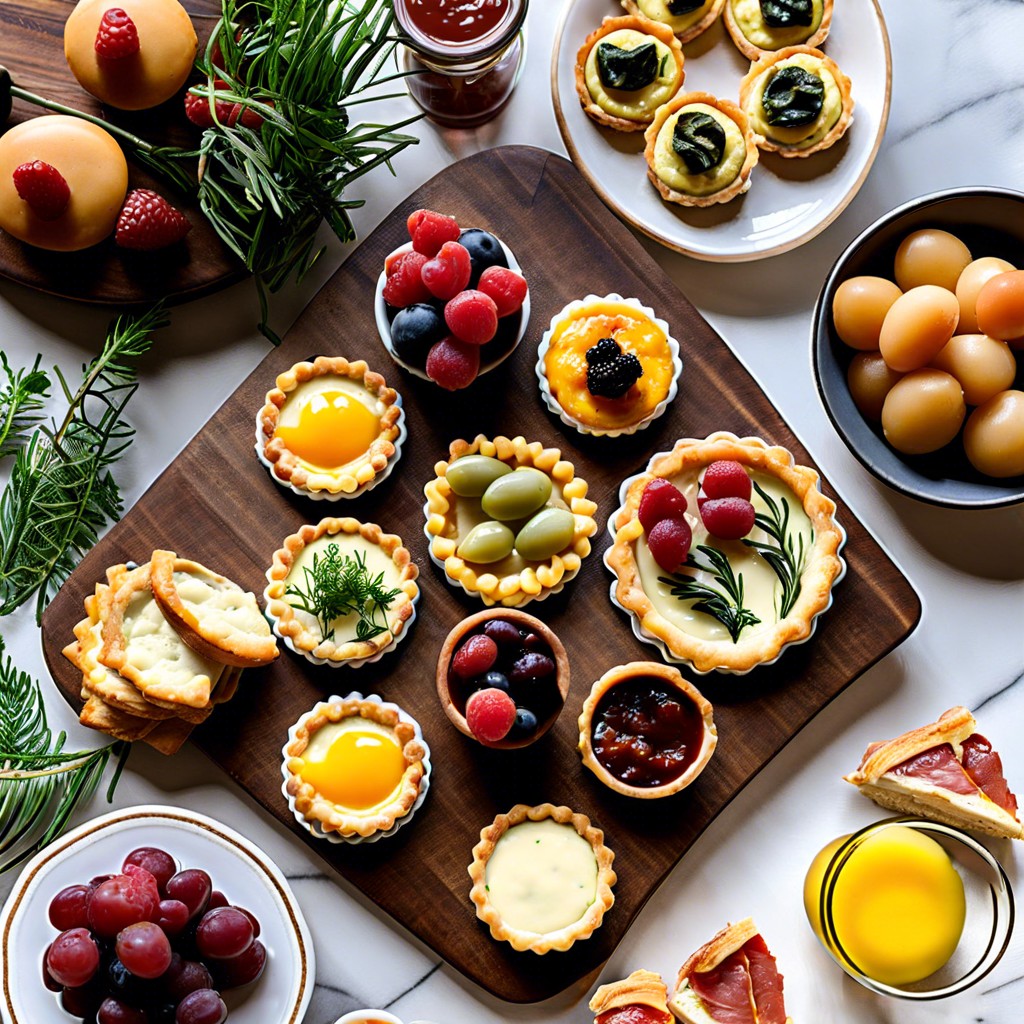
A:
516, 494
471, 475
486, 542
548, 532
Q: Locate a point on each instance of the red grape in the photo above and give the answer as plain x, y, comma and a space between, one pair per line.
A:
144, 949
217, 899
224, 933
172, 916
70, 908
113, 1011
193, 887
123, 900
243, 969
184, 977
728, 518
252, 918
81, 1002
98, 880
202, 1007
726, 479
48, 979
73, 957
159, 864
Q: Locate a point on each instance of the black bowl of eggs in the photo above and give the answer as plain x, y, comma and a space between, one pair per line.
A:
918, 348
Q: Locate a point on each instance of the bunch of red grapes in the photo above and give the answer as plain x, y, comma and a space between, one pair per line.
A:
152, 945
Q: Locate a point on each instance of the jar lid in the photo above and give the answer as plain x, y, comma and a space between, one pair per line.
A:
491, 41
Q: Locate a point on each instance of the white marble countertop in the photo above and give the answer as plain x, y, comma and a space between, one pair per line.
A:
955, 121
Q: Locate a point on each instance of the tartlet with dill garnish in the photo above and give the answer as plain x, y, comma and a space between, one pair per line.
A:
341, 592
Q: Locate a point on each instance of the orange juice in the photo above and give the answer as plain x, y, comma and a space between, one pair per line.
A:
897, 906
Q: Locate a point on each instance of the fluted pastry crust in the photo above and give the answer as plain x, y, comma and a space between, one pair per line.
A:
690, 33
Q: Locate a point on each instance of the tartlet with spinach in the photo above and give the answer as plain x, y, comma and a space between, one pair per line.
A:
760, 27
686, 18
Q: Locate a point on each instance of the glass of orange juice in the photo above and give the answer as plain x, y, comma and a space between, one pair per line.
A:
910, 908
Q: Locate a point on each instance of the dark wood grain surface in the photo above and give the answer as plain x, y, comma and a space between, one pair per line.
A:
215, 503
32, 49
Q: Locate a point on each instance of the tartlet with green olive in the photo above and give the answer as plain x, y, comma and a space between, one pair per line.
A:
626, 69
686, 18
759, 27
798, 101
700, 150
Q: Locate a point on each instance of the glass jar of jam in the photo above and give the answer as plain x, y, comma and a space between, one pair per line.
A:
464, 56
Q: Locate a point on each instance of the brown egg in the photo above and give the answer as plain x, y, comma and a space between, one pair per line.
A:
970, 282
923, 412
982, 365
859, 307
917, 325
870, 380
1000, 306
994, 435
930, 256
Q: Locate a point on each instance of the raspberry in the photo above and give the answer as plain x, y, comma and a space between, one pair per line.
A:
726, 479
472, 317
147, 221
669, 543
404, 285
43, 187
429, 231
448, 272
197, 110
506, 287
610, 372
475, 657
453, 364
660, 500
490, 714
728, 518
117, 37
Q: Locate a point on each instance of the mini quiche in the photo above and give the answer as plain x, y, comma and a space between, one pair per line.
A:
759, 27
341, 592
508, 520
542, 878
642, 998
797, 100
734, 603
330, 428
700, 150
626, 69
686, 18
354, 767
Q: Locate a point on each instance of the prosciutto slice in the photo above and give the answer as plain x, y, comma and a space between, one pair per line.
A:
985, 768
939, 767
766, 982
725, 990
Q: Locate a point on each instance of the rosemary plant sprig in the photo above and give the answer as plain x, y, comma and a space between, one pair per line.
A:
41, 784
786, 556
725, 605
61, 493
337, 585
20, 402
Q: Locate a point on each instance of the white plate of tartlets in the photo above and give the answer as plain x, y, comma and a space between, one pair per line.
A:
789, 201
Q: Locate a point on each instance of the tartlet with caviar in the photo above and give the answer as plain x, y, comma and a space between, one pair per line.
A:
330, 428
645, 731
700, 150
725, 551
354, 767
607, 365
626, 69
508, 520
798, 101
759, 27
341, 592
542, 878
686, 18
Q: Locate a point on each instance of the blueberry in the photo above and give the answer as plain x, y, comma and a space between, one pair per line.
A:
414, 330
484, 251
526, 721
496, 679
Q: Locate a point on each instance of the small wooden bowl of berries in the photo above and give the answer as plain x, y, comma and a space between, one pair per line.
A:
502, 677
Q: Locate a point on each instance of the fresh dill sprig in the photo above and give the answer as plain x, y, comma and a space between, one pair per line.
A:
20, 402
725, 605
786, 556
338, 585
61, 493
41, 784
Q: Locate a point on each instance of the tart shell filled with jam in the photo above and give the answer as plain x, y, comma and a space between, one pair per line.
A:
645, 731
608, 366
725, 552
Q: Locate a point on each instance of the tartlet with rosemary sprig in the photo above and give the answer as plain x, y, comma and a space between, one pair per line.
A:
733, 604
341, 592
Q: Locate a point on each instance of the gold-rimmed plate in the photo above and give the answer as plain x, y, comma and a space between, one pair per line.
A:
790, 200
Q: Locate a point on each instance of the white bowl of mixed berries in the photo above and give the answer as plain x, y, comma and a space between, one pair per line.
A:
451, 303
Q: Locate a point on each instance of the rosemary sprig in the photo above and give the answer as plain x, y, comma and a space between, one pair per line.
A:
786, 556
61, 493
41, 784
20, 402
725, 605
337, 585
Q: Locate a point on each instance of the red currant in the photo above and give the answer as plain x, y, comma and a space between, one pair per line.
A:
661, 499
453, 364
472, 317
669, 542
448, 272
726, 479
728, 518
506, 287
429, 231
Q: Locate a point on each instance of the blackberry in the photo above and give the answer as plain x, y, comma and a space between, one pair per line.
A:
610, 372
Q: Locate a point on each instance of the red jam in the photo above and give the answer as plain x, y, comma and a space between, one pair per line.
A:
646, 733
635, 1013
456, 21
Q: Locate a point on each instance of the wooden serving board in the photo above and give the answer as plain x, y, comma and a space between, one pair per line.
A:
32, 49
216, 504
